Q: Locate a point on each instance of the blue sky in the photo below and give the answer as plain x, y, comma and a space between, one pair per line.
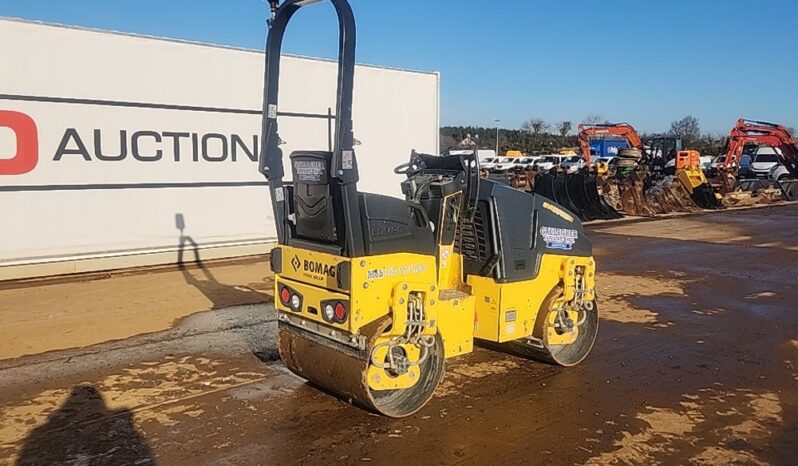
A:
643, 61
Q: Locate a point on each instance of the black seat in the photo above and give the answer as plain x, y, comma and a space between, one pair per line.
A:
391, 225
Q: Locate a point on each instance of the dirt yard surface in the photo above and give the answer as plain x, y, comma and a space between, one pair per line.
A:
696, 363
56, 314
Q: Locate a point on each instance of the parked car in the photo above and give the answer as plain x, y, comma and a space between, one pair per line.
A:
607, 160
504, 163
779, 173
488, 163
547, 162
765, 159
717, 163
514, 163
572, 163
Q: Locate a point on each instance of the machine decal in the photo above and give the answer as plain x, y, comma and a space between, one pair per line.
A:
559, 238
347, 158
376, 274
558, 212
444, 257
310, 170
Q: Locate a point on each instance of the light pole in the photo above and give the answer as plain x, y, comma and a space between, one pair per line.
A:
497, 136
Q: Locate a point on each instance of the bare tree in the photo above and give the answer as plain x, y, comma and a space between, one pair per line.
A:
535, 126
688, 128
791, 130
593, 119
564, 127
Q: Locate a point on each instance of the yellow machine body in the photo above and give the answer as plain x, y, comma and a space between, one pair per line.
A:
381, 285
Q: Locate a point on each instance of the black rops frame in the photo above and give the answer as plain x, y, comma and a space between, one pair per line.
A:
344, 165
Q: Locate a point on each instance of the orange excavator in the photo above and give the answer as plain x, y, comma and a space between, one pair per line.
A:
624, 130
761, 132
747, 132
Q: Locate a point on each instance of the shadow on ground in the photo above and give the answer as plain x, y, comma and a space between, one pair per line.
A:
85, 431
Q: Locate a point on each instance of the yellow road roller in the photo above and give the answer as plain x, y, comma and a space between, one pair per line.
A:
374, 293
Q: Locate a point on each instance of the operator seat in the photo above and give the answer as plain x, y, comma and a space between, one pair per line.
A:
391, 225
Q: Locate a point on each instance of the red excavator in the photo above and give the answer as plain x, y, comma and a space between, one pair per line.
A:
761, 132
747, 132
625, 130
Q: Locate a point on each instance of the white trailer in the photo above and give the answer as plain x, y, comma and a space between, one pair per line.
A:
119, 150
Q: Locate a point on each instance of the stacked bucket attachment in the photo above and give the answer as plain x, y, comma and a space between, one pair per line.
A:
747, 192
601, 192
586, 193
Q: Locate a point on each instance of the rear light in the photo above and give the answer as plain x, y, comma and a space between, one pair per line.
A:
290, 298
285, 295
335, 312
296, 302
340, 313
329, 312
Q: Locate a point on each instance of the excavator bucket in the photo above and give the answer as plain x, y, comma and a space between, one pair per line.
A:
633, 196
690, 174
563, 196
578, 192
660, 197
701, 191
605, 202
583, 192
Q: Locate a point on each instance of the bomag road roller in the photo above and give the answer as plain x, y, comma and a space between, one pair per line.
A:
374, 293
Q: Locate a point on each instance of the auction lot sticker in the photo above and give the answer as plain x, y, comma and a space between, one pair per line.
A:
559, 238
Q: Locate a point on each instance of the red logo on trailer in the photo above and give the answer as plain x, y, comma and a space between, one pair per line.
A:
27, 137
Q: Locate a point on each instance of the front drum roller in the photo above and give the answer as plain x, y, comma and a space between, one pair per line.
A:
343, 370
551, 347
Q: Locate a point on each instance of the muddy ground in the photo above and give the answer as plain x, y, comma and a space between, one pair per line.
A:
696, 363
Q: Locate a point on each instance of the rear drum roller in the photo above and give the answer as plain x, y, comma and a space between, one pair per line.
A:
344, 370
560, 347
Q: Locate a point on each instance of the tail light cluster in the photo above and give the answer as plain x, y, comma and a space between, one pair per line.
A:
290, 298
335, 312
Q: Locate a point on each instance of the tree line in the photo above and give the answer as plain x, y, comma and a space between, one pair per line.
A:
537, 136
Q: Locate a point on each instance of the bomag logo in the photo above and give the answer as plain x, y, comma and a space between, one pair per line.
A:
318, 268
313, 268
295, 263
25, 157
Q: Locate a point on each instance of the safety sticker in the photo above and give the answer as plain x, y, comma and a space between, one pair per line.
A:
376, 274
272, 111
347, 161
310, 170
559, 238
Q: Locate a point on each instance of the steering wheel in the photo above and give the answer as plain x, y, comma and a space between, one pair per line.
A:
408, 168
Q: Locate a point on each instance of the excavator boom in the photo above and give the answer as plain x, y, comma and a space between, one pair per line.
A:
761, 132
588, 132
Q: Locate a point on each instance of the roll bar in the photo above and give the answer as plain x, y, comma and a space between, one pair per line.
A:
344, 164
